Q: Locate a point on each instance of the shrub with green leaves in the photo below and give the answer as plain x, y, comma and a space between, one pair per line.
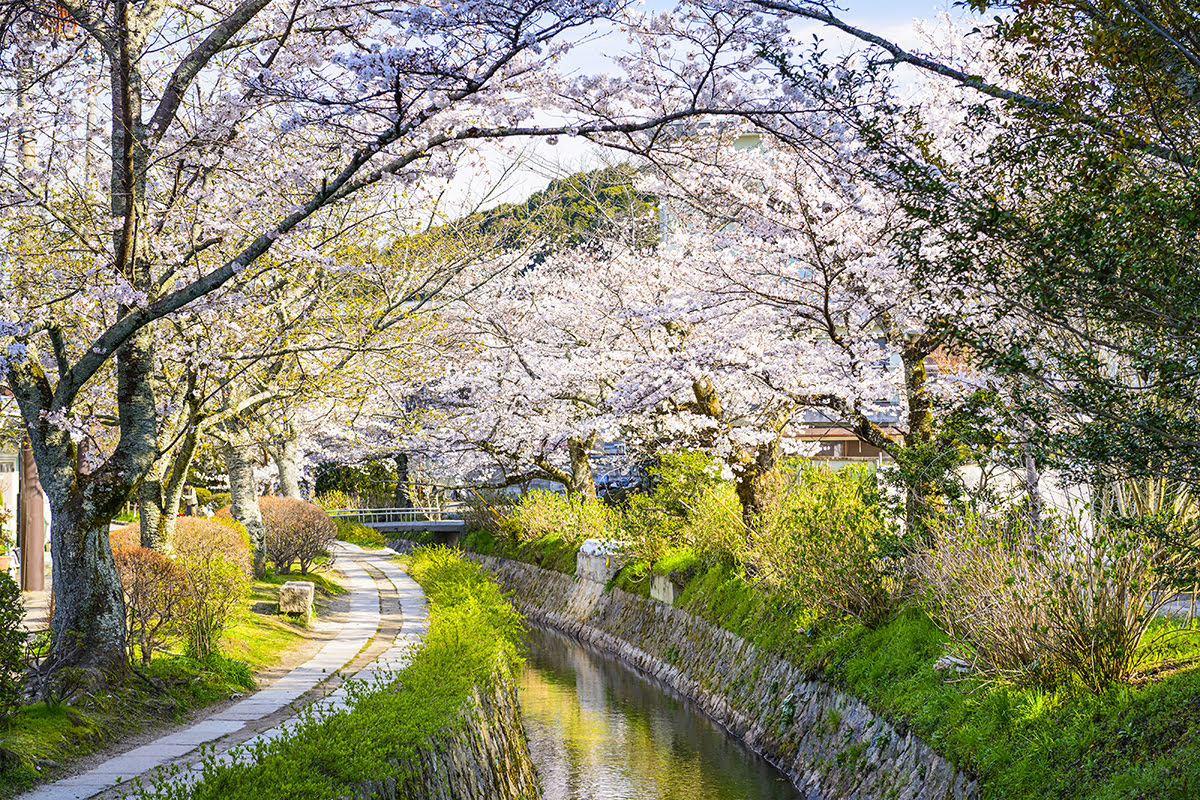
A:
216, 561
356, 533
12, 647
690, 506
831, 543
544, 514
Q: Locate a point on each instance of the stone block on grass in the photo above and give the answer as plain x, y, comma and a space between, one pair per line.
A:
296, 597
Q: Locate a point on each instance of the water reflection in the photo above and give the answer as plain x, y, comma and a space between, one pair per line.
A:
600, 731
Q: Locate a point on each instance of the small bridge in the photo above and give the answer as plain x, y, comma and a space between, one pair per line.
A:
402, 520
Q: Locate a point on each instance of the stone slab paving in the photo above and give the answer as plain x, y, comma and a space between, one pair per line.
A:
353, 636
414, 613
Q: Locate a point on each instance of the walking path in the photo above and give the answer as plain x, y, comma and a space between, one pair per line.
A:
221, 728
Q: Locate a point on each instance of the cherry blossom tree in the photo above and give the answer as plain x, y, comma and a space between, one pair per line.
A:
161, 153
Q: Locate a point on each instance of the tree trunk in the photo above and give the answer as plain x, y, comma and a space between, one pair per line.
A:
161, 491
757, 478
286, 454
151, 515
400, 498
239, 462
925, 468
88, 629
581, 482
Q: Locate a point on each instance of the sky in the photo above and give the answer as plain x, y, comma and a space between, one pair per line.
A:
892, 19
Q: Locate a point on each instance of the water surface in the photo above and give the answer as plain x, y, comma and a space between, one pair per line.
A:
599, 730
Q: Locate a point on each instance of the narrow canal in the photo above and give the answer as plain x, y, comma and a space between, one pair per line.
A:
598, 730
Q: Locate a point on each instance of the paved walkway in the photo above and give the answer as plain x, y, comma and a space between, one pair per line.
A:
354, 635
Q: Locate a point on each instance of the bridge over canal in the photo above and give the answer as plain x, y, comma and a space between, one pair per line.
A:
445, 524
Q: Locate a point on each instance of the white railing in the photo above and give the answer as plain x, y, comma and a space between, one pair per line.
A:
392, 516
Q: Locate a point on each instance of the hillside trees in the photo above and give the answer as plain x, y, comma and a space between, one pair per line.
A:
164, 151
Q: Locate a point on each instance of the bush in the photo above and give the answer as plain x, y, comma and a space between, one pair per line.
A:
12, 647
156, 598
1052, 606
296, 531
215, 557
830, 542
689, 507
543, 514
487, 510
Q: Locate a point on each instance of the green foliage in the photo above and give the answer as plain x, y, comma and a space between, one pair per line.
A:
473, 631
215, 557
542, 514
831, 543
359, 534
341, 485
12, 647
689, 506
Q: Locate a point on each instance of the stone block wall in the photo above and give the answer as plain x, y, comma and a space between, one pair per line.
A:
829, 743
483, 756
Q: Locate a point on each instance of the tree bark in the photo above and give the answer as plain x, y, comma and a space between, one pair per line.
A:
757, 476
924, 501
582, 482
286, 453
238, 451
400, 498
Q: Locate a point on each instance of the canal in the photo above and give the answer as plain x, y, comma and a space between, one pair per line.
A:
599, 730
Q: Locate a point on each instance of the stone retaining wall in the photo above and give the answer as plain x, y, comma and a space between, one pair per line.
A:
829, 743
484, 757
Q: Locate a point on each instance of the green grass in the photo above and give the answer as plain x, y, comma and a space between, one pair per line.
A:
472, 631
41, 738
548, 552
361, 535
1131, 742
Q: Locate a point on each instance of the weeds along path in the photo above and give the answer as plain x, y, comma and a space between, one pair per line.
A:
387, 617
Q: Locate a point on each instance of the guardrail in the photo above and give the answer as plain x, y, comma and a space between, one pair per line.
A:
393, 516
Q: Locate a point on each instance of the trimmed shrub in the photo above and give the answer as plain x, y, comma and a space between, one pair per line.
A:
155, 598
216, 561
296, 532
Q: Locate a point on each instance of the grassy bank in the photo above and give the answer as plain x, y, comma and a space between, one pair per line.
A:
44, 738
471, 629
1139, 741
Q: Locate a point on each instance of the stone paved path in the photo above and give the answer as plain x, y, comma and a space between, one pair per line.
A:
364, 619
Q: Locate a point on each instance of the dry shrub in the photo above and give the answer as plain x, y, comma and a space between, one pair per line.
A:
155, 597
1051, 606
296, 531
487, 510
127, 536
216, 561
830, 543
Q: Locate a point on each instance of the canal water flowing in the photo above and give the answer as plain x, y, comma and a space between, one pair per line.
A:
599, 730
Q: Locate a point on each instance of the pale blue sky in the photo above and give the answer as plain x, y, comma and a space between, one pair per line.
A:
890, 18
